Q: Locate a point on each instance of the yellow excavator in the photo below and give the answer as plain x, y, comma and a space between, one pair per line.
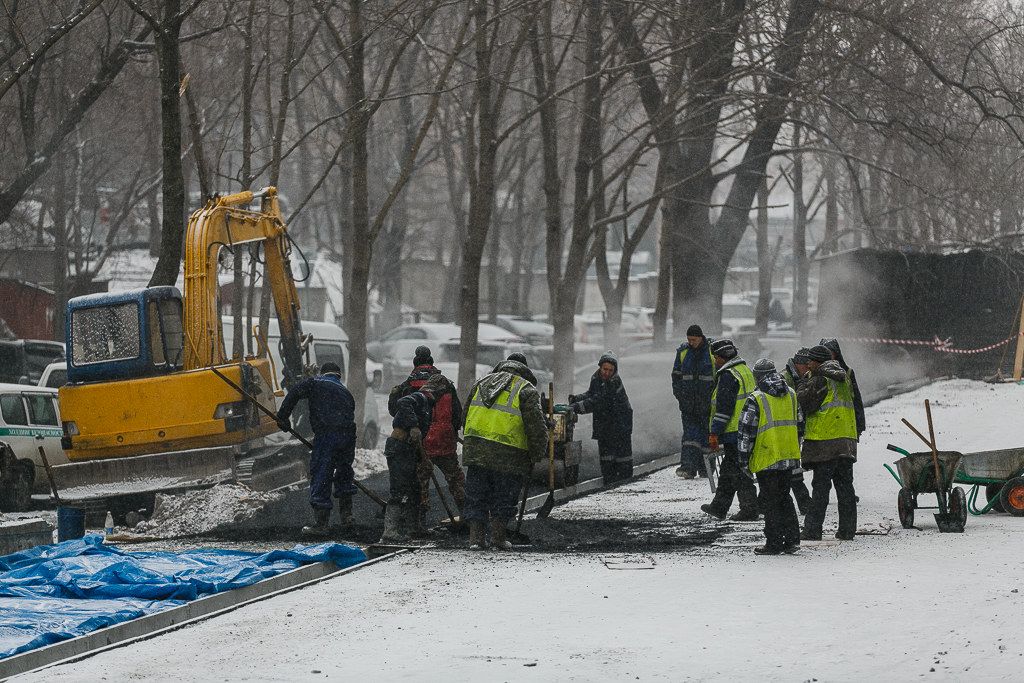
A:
147, 407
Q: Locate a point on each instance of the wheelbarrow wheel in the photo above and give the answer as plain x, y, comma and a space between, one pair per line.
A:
905, 505
1012, 496
992, 493
958, 505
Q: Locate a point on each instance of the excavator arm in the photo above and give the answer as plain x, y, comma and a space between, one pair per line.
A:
224, 224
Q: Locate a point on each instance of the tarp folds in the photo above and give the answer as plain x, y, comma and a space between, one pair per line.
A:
55, 592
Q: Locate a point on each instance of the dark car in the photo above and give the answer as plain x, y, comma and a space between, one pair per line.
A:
23, 361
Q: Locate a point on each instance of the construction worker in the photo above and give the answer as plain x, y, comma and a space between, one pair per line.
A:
733, 384
770, 428
796, 368
332, 417
613, 418
795, 373
832, 344
439, 443
830, 443
403, 451
504, 436
693, 379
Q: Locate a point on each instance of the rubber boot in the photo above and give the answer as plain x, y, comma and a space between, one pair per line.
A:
394, 526
420, 529
321, 524
345, 509
498, 531
476, 535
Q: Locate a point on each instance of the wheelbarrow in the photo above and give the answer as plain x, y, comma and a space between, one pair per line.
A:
1002, 475
915, 473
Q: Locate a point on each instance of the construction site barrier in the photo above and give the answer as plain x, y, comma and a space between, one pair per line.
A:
945, 346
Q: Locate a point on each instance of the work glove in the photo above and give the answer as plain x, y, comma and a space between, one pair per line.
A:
284, 425
713, 442
576, 408
416, 436
571, 399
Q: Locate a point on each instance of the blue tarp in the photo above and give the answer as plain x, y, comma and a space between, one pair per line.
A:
55, 592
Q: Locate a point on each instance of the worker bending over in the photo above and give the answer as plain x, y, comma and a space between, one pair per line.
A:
439, 443
733, 384
504, 436
404, 451
332, 417
770, 429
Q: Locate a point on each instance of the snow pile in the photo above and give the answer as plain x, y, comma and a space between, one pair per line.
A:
197, 512
369, 462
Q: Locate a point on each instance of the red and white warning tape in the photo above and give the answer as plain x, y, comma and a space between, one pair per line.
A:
944, 346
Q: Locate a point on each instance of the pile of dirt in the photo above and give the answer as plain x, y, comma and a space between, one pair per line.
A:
198, 512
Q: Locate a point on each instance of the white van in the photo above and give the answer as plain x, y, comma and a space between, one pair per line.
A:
29, 418
330, 343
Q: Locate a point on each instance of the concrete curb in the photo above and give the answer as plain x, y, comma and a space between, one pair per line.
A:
591, 485
154, 625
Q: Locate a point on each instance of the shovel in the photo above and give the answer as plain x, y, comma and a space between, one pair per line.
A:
947, 523
545, 509
517, 537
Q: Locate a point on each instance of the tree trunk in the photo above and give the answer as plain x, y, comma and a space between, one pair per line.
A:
830, 240
764, 260
799, 236
173, 220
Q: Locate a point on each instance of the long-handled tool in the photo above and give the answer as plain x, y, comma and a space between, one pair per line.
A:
49, 475
518, 537
946, 522
373, 496
546, 508
437, 485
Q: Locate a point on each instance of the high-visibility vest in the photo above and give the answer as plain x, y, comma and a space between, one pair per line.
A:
836, 418
502, 421
697, 362
777, 435
745, 379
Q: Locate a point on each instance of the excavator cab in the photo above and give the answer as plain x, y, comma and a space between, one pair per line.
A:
120, 335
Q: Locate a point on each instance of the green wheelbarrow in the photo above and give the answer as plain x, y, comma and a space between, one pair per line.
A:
915, 473
1002, 475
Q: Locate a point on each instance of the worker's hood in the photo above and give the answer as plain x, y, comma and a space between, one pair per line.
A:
832, 370
773, 384
832, 344
501, 379
731, 363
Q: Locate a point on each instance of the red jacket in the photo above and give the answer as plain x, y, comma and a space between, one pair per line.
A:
441, 439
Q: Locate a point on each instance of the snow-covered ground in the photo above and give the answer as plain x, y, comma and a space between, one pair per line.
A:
907, 605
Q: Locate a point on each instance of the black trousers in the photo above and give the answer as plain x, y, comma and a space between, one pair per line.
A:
838, 473
781, 526
732, 482
800, 492
616, 457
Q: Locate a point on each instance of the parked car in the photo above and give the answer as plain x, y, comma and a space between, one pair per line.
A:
531, 331
22, 361
395, 350
55, 375
489, 354
30, 418
330, 343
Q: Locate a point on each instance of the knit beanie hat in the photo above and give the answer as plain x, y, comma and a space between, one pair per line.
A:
763, 367
800, 357
518, 357
819, 354
724, 348
330, 368
694, 331
608, 357
422, 356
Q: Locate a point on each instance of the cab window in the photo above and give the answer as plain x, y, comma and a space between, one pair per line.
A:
101, 334
41, 410
13, 410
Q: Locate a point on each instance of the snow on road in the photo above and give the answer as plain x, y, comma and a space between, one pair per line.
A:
911, 605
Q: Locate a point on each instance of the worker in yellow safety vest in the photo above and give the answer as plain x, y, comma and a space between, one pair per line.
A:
733, 384
504, 434
770, 428
830, 443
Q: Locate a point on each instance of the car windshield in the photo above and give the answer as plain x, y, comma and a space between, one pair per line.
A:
38, 355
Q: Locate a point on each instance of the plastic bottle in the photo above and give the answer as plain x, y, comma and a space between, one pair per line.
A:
109, 524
